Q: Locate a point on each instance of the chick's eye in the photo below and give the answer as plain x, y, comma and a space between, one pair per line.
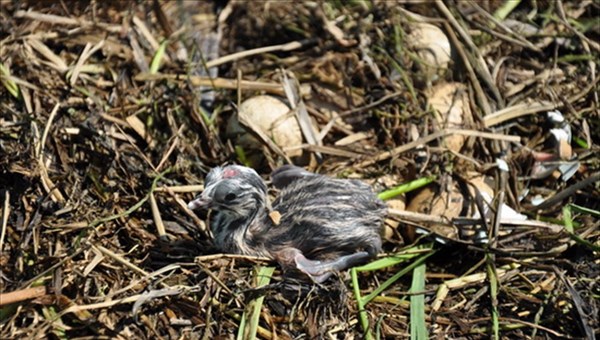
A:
225, 193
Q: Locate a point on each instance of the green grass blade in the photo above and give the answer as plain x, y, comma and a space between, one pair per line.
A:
418, 327
10, 85
570, 225
395, 278
158, 56
262, 278
506, 8
241, 154
386, 262
404, 188
360, 304
493, 280
568, 219
585, 210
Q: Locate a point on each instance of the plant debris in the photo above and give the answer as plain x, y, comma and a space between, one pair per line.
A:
113, 112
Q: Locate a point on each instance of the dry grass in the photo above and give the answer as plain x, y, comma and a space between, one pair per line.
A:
103, 125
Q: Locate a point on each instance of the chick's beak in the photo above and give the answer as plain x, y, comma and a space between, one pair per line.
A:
200, 203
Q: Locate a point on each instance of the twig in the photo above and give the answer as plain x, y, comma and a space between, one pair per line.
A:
427, 218
220, 83
47, 183
563, 17
579, 303
426, 139
481, 97
5, 214
200, 259
181, 188
160, 226
58, 20
133, 208
183, 206
568, 192
55, 61
165, 157
481, 68
22, 295
88, 51
120, 259
524, 109
267, 49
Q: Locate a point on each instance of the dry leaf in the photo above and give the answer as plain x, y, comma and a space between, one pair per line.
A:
451, 102
275, 217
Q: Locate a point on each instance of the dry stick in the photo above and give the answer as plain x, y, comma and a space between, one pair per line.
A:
370, 105
145, 32
336, 125
438, 134
516, 111
292, 92
183, 206
181, 188
138, 126
51, 268
58, 20
504, 37
533, 325
426, 218
106, 304
218, 82
134, 145
29, 85
524, 109
120, 259
5, 214
88, 51
515, 37
47, 183
56, 62
22, 295
171, 149
481, 97
568, 191
275, 48
579, 304
136, 282
160, 226
325, 149
482, 67
585, 42
563, 17
497, 219
460, 282
231, 256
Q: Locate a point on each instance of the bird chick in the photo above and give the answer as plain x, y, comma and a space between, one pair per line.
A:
323, 224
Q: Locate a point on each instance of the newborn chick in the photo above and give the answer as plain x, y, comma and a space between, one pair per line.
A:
324, 224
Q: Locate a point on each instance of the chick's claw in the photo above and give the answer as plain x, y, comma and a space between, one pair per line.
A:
320, 271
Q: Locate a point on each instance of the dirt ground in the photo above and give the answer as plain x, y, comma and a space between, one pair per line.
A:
112, 113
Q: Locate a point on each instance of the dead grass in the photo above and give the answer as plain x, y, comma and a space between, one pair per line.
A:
108, 113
